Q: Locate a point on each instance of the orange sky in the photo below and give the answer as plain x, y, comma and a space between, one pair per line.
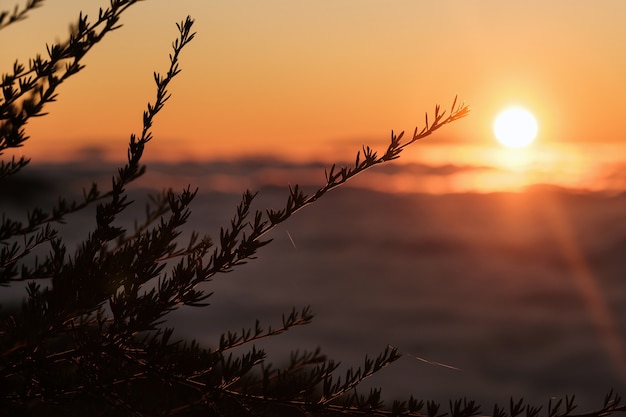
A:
302, 78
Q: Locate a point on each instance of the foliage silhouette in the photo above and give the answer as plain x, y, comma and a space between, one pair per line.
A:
89, 336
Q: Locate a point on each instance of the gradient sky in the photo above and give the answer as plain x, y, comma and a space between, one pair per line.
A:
304, 78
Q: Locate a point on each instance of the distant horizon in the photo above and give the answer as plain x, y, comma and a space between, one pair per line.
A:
433, 169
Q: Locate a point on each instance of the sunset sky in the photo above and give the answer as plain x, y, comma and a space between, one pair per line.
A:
316, 80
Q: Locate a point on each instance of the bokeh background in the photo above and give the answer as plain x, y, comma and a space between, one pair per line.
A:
508, 264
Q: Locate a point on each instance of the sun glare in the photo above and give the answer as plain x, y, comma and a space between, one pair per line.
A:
515, 127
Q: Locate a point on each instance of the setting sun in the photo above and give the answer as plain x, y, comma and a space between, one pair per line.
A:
515, 127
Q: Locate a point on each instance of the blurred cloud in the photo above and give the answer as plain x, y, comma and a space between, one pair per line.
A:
432, 175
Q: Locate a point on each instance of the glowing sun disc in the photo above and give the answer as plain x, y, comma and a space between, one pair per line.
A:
515, 127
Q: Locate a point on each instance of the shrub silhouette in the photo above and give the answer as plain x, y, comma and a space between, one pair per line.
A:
89, 340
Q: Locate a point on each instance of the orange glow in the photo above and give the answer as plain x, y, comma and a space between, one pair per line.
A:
309, 81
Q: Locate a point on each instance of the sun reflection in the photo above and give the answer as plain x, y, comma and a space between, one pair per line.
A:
516, 160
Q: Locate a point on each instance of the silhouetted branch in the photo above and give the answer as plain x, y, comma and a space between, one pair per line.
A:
90, 340
9, 17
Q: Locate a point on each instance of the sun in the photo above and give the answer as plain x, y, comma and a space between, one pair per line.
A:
515, 127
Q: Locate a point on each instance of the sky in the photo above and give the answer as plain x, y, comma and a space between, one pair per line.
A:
317, 80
